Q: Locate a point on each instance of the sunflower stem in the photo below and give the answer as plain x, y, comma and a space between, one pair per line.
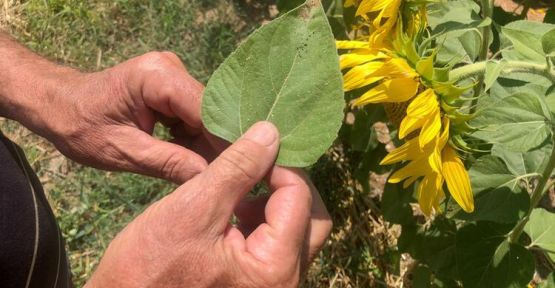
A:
536, 196
487, 12
479, 68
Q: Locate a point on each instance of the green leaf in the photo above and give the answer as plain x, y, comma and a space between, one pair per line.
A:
422, 277
522, 83
524, 163
486, 259
453, 15
526, 38
287, 72
433, 245
549, 16
541, 229
549, 282
518, 123
362, 135
455, 29
514, 83
396, 204
548, 42
497, 194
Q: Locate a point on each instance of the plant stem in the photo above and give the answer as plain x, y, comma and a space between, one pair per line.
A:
479, 68
525, 8
536, 196
487, 12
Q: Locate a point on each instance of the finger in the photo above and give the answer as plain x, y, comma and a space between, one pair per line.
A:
238, 169
174, 58
166, 87
287, 214
144, 154
204, 143
319, 228
251, 214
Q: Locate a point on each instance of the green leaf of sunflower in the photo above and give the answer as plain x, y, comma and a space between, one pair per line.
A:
287, 72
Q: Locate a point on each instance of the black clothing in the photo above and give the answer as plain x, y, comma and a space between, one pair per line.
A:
32, 252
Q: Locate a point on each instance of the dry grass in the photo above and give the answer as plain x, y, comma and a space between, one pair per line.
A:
10, 14
362, 249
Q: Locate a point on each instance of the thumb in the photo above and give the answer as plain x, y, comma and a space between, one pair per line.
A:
144, 154
230, 176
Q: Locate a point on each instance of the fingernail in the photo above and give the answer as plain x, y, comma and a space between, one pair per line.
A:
263, 133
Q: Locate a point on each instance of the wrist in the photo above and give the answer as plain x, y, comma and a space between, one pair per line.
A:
31, 92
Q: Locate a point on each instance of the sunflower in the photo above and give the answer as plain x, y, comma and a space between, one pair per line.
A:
383, 69
380, 15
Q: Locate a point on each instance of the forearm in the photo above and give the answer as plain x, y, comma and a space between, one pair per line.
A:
28, 85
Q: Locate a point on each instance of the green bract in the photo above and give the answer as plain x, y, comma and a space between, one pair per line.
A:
287, 72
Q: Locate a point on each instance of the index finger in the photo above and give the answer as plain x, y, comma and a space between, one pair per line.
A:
166, 87
287, 216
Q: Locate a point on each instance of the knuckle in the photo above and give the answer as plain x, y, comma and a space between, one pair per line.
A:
169, 167
153, 56
154, 61
167, 91
169, 54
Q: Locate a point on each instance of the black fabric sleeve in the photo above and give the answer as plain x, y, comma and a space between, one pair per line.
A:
32, 251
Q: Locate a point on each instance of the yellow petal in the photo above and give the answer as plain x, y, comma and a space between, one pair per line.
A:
410, 181
428, 192
386, 19
360, 76
445, 134
397, 68
458, 181
410, 124
434, 160
424, 104
367, 6
422, 112
361, 57
347, 44
430, 130
415, 168
392, 10
395, 90
408, 151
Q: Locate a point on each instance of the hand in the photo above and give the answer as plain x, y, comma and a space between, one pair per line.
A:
106, 119
186, 240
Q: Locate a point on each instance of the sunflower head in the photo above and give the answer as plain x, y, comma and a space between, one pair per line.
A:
392, 68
